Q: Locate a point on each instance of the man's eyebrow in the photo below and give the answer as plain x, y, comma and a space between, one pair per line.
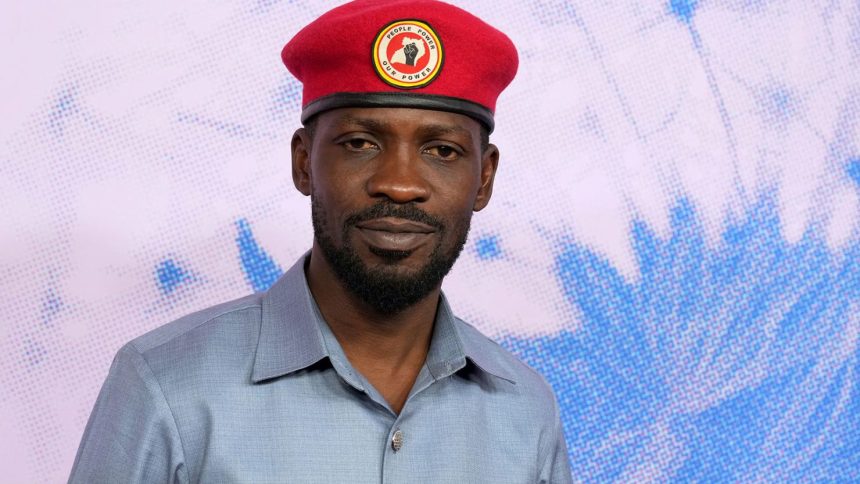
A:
365, 123
426, 131
431, 130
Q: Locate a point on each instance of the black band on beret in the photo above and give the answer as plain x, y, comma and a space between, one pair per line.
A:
399, 100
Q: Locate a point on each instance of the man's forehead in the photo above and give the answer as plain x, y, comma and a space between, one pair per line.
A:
391, 118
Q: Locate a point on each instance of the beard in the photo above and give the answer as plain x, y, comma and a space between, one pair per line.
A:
385, 288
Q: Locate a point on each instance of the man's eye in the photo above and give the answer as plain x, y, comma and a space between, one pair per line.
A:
359, 144
444, 151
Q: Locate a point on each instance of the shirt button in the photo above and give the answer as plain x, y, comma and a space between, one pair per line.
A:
397, 440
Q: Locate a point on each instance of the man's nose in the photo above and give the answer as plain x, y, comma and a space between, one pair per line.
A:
398, 177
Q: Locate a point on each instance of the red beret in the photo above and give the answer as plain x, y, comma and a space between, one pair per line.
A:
401, 53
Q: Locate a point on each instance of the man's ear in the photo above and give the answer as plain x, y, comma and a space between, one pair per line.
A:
489, 164
301, 152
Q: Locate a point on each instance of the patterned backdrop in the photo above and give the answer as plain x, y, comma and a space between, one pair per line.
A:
674, 240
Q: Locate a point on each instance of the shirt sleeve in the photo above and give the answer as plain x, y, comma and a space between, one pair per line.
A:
131, 436
556, 466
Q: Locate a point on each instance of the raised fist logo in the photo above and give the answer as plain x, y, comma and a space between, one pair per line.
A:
412, 51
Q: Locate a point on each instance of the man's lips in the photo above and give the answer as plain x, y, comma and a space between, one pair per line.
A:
396, 225
394, 233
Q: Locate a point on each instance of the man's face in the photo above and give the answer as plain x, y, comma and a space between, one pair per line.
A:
392, 195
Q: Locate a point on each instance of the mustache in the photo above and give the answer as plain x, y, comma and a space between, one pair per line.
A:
389, 209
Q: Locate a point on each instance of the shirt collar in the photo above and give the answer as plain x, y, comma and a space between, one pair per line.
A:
289, 337
454, 342
292, 336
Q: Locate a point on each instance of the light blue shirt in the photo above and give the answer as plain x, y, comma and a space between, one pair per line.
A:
258, 390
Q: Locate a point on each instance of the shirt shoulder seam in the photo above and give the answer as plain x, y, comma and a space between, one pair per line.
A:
151, 374
141, 351
556, 426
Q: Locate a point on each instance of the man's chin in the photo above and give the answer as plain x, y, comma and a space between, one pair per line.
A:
397, 268
390, 287
388, 280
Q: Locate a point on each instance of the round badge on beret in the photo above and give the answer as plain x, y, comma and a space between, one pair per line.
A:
407, 54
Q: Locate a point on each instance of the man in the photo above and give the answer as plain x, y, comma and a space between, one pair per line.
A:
352, 367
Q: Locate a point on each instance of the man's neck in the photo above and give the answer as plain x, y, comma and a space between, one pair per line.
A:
388, 350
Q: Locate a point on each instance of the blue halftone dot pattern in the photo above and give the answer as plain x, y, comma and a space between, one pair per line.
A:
265, 5
170, 276
853, 170
488, 247
261, 271
231, 129
729, 345
683, 9
286, 98
778, 104
780, 100
52, 304
555, 13
756, 6
65, 106
727, 438
34, 352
